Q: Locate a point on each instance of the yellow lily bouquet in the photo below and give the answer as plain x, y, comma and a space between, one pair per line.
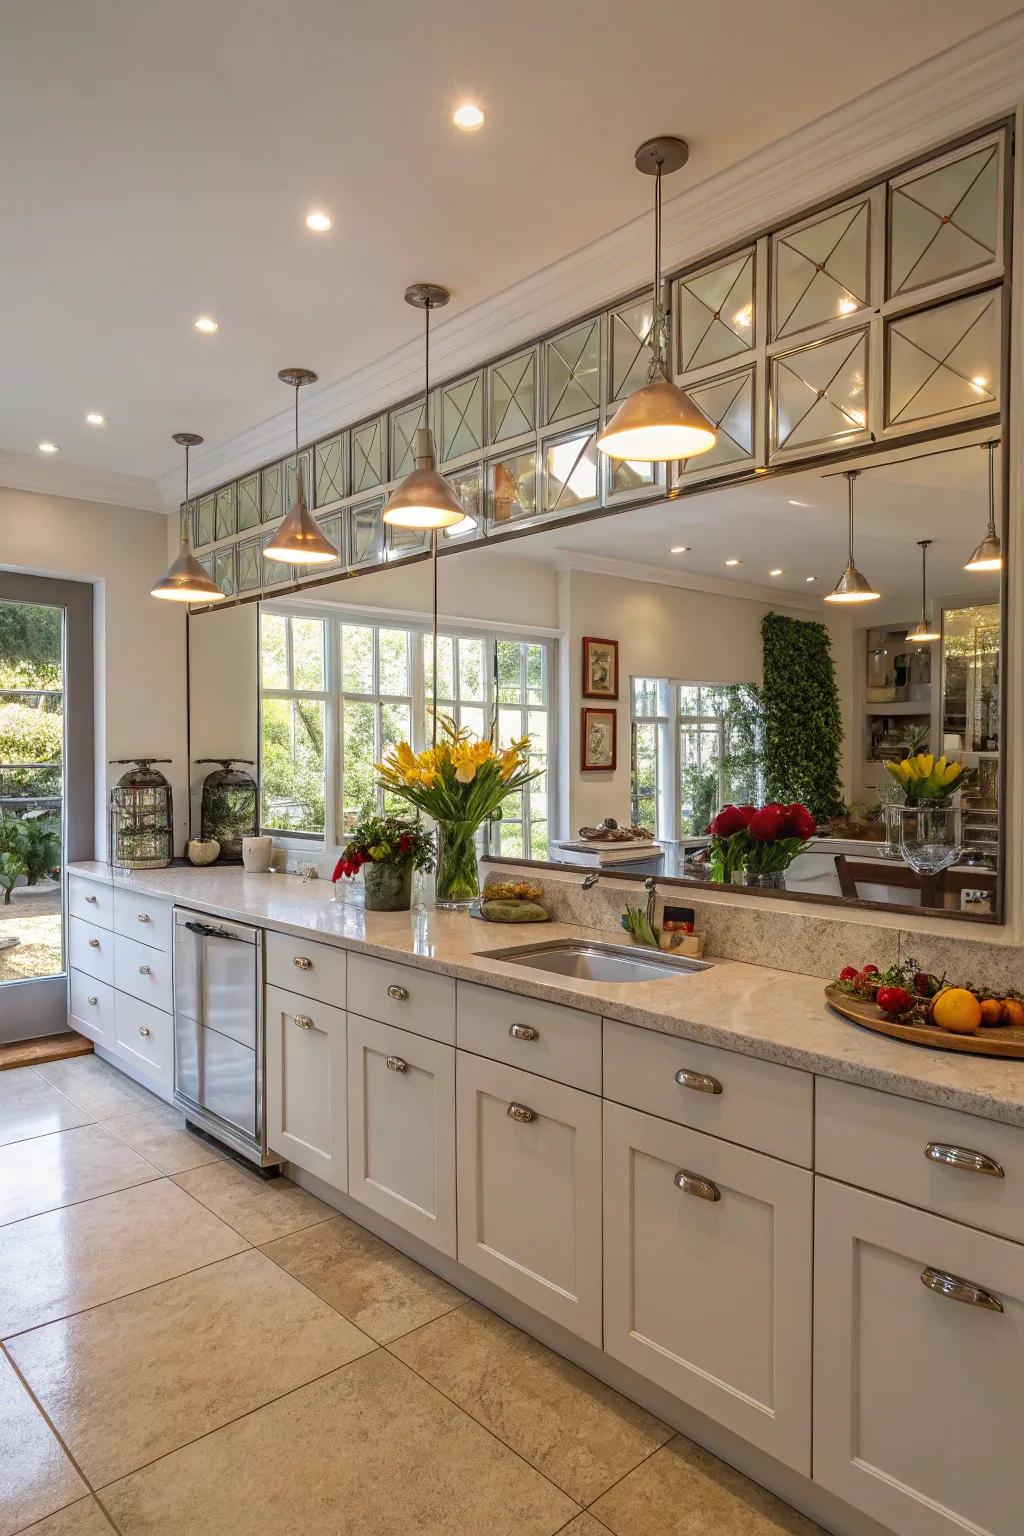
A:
925, 779
459, 783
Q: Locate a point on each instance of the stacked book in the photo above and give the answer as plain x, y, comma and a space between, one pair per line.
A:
600, 853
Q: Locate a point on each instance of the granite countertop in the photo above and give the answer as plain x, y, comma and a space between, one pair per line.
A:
779, 1016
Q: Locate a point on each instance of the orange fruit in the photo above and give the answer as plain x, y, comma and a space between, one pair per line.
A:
1013, 1012
991, 1010
957, 1010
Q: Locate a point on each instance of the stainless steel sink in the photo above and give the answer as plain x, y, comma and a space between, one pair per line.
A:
585, 961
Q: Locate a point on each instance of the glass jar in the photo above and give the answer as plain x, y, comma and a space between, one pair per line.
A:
457, 884
930, 837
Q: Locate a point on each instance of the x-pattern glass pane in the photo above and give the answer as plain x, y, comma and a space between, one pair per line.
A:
631, 347
513, 488
944, 222
366, 533
270, 487
571, 478
513, 386
404, 426
331, 479
821, 270
466, 483
406, 541
330, 527
630, 475
224, 569
728, 404
368, 455
944, 359
462, 416
819, 393
249, 576
274, 571
248, 502
204, 521
290, 485
225, 512
716, 312
572, 371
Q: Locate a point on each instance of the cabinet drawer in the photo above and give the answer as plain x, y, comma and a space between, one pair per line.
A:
922, 1154
739, 1098
91, 899
144, 972
401, 1128
91, 949
402, 995
146, 1036
554, 1041
529, 1189
91, 1007
146, 918
916, 1393
306, 1085
306, 967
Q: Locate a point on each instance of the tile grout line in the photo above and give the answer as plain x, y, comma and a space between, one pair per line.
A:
642, 1462
53, 1430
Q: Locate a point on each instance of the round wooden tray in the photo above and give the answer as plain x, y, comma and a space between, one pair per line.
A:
990, 1040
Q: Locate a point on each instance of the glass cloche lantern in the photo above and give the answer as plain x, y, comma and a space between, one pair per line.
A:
141, 816
230, 806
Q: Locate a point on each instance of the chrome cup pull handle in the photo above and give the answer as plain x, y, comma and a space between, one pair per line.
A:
144, 970
303, 962
700, 1082
92, 900
304, 1021
93, 1001
959, 1290
94, 943
399, 994
396, 1064
144, 1031
520, 1113
963, 1157
143, 917
522, 1032
694, 1184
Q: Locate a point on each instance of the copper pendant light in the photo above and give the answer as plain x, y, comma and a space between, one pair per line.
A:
298, 540
989, 554
852, 586
922, 631
425, 499
186, 581
658, 421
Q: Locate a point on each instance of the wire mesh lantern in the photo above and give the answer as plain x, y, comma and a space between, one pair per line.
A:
230, 806
141, 816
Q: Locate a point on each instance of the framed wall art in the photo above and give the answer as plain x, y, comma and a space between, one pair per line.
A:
600, 668
597, 740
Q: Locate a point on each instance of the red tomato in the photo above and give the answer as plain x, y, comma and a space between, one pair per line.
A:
848, 973
893, 1000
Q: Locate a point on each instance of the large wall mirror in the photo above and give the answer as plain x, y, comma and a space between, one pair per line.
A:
667, 662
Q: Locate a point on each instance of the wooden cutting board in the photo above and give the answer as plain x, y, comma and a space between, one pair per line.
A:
989, 1040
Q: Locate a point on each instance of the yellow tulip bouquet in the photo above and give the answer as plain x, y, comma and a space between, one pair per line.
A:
925, 779
459, 783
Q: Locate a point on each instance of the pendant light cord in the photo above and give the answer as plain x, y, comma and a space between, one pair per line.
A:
992, 490
657, 368
924, 581
187, 525
851, 475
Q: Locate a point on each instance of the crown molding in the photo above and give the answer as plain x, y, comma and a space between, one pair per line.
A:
58, 476
954, 92
689, 581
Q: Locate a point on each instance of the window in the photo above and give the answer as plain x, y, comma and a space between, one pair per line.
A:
376, 712
694, 746
292, 723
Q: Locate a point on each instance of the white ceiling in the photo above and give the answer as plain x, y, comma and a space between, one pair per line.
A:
160, 161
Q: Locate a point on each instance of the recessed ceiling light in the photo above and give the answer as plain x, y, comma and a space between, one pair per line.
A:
205, 324
468, 117
47, 447
734, 562
810, 578
680, 549
778, 571
318, 221
95, 419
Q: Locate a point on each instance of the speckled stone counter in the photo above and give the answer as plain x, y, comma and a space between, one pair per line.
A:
777, 1015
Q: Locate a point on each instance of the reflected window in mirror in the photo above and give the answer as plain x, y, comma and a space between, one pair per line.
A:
292, 724
693, 748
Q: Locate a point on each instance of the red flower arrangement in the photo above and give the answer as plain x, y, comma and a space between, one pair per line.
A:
760, 841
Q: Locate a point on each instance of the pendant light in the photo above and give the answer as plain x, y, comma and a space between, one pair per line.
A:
852, 586
989, 554
922, 632
425, 499
298, 540
185, 580
658, 421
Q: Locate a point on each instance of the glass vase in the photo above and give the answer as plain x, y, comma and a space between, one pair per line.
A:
930, 836
387, 887
765, 880
458, 879
892, 817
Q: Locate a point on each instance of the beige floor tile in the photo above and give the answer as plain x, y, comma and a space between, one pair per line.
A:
159, 1135
574, 1429
82, 1519
67, 1260
30, 1107
370, 1448
382, 1291
261, 1209
64, 1168
586, 1525
36, 1476
141, 1376
96, 1086
685, 1491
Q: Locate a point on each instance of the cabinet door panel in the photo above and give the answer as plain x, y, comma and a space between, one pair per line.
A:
306, 1085
91, 1007
916, 1395
401, 1132
708, 1286
529, 1189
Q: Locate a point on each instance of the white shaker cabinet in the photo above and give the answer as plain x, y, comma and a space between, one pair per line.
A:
708, 1264
529, 1189
401, 1128
918, 1365
306, 1075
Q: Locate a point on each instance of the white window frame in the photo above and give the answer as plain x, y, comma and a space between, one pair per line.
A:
670, 721
292, 836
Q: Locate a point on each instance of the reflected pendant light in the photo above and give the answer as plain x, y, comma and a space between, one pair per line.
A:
425, 499
658, 421
186, 581
922, 632
989, 554
852, 586
298, 540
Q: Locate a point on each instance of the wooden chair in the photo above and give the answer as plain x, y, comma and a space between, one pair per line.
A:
934, 889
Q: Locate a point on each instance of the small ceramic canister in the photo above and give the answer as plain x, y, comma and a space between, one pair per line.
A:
256, 852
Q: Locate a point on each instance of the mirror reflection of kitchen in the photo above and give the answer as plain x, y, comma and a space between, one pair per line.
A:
670, 660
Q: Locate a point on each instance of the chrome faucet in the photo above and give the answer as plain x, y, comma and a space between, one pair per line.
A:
590, 880
651, 887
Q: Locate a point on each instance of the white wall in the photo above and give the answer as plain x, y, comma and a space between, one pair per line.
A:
223, 690
140, 642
